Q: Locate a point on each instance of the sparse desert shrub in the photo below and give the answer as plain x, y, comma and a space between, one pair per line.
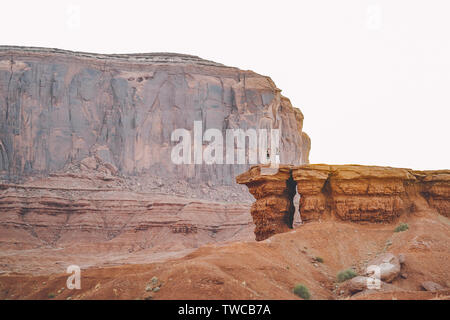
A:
302, 291
401, 227
346, 274
319, 259
51, 295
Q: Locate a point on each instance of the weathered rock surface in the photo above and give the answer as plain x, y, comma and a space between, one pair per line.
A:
87, 225
431, 286
255, 270
59, 107
385, 267
345, 192
393, 290
274, 209
363, 285
388, 265
356, 284
435, 188
85, 151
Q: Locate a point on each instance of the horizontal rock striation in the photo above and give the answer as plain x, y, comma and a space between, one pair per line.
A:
345, 192
85, 152
54, 217
355, 193
60, 107
273, 210
435, 188
89, 225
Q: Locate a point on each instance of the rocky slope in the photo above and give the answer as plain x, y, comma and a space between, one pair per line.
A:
345, 192
58, 108
271, 268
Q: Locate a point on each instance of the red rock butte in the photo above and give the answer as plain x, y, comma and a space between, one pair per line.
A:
85, 154
59, 108
86, 178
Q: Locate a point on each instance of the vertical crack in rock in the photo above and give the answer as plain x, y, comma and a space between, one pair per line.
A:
345, 192
273, 209
297, 221
291, 185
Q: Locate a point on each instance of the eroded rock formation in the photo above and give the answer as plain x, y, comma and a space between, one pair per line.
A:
273, 211
85, 151
74, 220
59, 107
345, 192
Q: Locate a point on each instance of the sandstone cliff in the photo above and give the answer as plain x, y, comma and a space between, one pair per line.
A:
46, 223
85, 154
345, 192
58, 108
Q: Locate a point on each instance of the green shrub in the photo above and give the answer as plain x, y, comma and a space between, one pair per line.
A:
51, 295
401, 227
346, 274
302, 291
319, 259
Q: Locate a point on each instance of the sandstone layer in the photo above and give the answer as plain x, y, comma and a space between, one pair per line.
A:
86, 175
269, 269
344, 192
48, 223
59, 108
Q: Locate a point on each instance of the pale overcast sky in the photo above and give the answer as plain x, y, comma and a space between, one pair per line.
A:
372, 77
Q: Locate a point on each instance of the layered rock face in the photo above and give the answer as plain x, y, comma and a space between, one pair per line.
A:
345, 192
58, 216
85, 154
274, 209
58, 108
69, 219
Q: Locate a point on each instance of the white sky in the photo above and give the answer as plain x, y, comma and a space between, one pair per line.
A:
372, 77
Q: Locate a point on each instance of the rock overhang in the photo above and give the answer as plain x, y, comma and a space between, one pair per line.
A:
354, 193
